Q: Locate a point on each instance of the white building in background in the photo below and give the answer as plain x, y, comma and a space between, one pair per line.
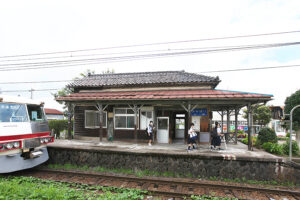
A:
54, 114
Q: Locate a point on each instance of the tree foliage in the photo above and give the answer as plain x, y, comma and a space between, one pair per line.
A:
261, 114
266, 135
290, 103
66, 90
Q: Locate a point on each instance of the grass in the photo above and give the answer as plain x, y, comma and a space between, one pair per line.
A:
28, 188
143, 173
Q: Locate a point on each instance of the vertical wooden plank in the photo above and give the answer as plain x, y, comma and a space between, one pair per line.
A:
249, 127
236, 112
135, 122
100, 108
228, 125
69, 121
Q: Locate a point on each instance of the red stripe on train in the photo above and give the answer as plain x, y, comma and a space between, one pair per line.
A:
25, 136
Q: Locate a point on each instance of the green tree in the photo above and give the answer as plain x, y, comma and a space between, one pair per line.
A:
261, 114
290, 103
66, 90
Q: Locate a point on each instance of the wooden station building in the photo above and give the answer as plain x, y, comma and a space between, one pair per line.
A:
119, 106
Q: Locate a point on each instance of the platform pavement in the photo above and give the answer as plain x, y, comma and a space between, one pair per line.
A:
232, 152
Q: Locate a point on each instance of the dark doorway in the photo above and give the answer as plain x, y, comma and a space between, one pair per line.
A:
180, 126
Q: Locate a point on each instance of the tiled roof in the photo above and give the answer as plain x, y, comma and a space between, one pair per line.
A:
142, 79
164, 95
53, 111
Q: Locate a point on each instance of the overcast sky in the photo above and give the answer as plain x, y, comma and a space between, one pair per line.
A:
28, 27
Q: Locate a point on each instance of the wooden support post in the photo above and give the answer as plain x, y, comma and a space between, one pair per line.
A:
69, 121
222, 121
228, 125
249, 127
100, 108
236, 112
135, 122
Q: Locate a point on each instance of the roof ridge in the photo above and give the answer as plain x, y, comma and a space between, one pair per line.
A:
147, 72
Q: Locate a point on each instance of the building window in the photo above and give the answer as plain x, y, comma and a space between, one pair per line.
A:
146, 117
92, 119
124, 118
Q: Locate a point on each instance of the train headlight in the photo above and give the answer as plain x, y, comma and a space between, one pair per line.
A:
46, 140
16, 144
9, 145
42, 140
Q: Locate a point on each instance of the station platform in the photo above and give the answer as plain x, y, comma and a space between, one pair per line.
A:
230, 151
232, 162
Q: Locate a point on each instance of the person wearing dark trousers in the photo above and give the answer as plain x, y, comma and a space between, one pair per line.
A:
192, 135
150, 133
216, 137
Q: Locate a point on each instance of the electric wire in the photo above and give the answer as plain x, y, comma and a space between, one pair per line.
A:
154, 44
220, 71
55, 64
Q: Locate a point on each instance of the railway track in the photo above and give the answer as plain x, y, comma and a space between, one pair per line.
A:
165, 187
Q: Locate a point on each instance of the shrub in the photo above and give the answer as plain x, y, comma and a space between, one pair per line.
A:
286, 148
245, 140
241, 135
267, 135
287, 134
274, 148
59, 126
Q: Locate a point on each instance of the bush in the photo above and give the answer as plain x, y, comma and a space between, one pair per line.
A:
274, 148
287, 134
266, 135
59, 126
245, 140
286, 148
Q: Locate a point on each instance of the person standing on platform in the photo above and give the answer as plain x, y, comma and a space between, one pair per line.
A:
150, 133
216, 137
192, 135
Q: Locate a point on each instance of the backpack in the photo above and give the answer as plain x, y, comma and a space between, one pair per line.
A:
147, 130
214, 133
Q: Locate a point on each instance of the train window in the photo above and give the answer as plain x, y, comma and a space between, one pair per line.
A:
35, 113
13, 113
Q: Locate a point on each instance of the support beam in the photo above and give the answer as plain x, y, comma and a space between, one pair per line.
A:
136, 109
135, 122
236, 113
222, 121
250, 123
100, 109
228, 125
70, 115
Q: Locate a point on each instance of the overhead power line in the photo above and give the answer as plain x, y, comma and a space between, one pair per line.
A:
251, 69
220, 71
56, 64
30, 90
153, 44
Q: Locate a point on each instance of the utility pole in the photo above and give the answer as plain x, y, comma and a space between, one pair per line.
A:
31, 93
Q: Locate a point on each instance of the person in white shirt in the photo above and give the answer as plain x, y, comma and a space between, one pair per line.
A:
150, 132
192, 135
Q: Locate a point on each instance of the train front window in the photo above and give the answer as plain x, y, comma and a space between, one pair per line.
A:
35, 113
13, 113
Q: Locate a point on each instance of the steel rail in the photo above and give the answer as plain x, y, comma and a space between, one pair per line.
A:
174, 181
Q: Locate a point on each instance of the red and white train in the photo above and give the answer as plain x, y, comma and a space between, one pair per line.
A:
24, 134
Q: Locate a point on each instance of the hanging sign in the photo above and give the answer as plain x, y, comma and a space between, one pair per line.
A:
199, 112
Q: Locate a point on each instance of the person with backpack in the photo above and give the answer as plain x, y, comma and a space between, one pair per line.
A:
149, 131
192, 136
216, 137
